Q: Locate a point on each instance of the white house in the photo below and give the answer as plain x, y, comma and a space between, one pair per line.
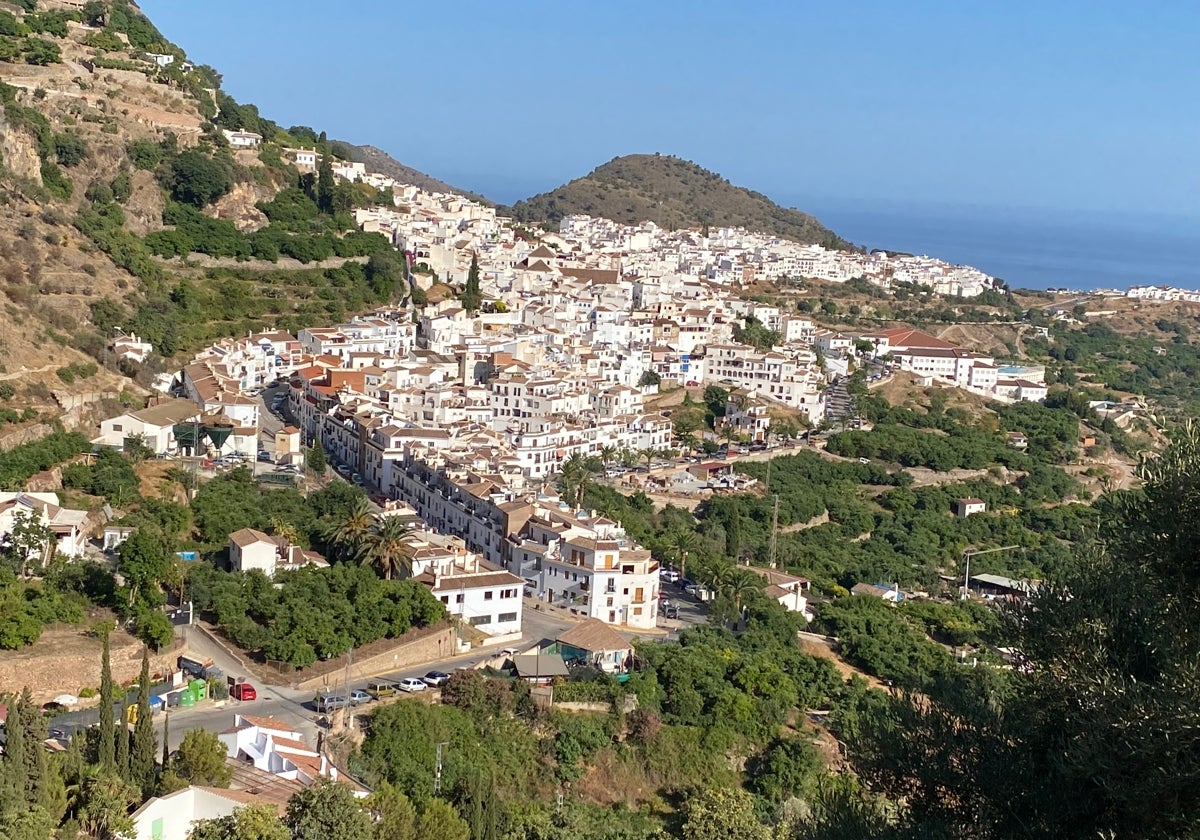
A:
488, 599
242, 139
155, 425
968, 507
131, 347
171, 817
250, 549
788, 590
161, 59
66, 525
273, 746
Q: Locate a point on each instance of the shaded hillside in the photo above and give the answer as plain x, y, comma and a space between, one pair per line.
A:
673, 193
377, 160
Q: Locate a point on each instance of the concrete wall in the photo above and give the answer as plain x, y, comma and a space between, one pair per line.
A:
428, 646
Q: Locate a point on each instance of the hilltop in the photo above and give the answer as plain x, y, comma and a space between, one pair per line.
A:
377, 160
673, 193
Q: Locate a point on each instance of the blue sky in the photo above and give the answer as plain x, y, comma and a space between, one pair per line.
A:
1086, 106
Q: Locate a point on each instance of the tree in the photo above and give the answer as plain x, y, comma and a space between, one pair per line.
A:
679, 543
1096, 731
314, 460
575, 476
95, 13
350, 532
198, 179
649, 378
29, 541
107, 750
325, 182
722, 814
201, 759
141, 758
122, 747
397, 817
471, 298
439, 821
327, 811
102, 806
251, 822
145, 562
388, 547
476, 801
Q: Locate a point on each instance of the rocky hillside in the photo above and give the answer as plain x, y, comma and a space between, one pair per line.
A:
673, 193
377, 160
123, 207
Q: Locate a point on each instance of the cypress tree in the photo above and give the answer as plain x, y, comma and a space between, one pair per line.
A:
166, 754
15, 772
325, 182
122, 738
141, 760
34, 735
471, 299
106, 756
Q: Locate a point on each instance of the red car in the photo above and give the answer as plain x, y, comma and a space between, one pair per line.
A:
244, 691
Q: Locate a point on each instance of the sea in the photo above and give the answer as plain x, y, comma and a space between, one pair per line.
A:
1029, 249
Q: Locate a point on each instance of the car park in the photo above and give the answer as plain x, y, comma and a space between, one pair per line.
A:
435, 678
358, 697
411, 684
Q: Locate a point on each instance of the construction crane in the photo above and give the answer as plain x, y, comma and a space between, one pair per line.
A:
967, 555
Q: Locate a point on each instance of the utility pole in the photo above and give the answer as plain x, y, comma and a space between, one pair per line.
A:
346, 716
967, 555
437, 768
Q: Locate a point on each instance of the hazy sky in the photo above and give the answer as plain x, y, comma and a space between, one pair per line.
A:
1083, 105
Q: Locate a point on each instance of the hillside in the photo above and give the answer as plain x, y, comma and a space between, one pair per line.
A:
123, 207
673, 193
377, 160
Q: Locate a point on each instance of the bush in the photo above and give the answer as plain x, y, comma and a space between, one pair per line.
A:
40, 51
144, 154
199, 179
70, 149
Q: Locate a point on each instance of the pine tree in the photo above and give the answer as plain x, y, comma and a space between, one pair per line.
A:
107, 727
471, 298
141, 760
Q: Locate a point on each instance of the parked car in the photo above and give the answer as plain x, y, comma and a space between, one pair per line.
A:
435, 678
381, 688
357, 479
329, 702
288, 468
344, 471
243, 691
411, 684
669, 610
864, 460
669, 575
265, 456
508, 653
358, 697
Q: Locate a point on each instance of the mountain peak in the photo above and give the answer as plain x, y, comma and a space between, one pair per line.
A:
673, 193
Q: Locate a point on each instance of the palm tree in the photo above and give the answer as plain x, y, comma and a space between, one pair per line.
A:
388, 548
575, 476
740, 584
679, 543
285, 530
607, 455
348, 534
649, 454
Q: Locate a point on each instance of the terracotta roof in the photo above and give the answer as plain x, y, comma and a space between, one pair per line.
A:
594, 635
249, 536
450, 583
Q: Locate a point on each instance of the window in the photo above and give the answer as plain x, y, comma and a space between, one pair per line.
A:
458, 599
508, 593
117, 427
480, 620
445, 599
504, 617
487, 596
